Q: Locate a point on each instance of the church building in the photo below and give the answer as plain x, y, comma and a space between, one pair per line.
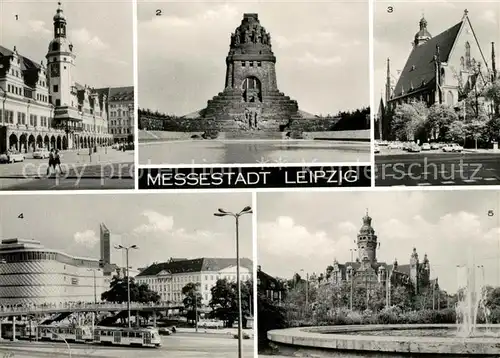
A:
43, 106
440, 69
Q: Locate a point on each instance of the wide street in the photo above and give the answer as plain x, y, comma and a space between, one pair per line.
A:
178, 345
253, 152
437, 168
106, 169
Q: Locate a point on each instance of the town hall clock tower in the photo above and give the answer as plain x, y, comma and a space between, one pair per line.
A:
60, 63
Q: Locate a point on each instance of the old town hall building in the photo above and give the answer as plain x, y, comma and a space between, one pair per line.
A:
440, 69
42, 105
368, 272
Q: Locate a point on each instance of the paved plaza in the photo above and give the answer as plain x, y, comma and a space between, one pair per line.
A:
106, 169
253, 152
179, 345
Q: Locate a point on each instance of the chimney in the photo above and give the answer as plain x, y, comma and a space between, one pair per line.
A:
258, 268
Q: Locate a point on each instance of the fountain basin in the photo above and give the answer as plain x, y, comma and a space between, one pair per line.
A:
357, 340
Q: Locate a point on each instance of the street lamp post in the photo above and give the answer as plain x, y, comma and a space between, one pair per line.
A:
352, 278
127, 248
196, 306
220, 213
307, 291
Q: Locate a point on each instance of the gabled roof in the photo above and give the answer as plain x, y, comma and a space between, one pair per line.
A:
26, 63
195, 265
419, 71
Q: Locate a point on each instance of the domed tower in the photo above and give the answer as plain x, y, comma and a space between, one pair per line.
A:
422, 36
60, 63
367, 241
251, 99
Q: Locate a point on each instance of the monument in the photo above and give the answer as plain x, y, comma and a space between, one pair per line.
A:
251, 100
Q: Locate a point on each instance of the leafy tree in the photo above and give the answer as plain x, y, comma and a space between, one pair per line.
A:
401, 296
457, 131
409, 120
192, 299
492, 93
438, 121
138, 293
224, 302
270, 316
476, 128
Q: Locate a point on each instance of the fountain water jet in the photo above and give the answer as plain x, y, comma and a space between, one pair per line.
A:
471, 299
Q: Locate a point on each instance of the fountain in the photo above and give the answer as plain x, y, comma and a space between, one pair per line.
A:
466, 338
471, 300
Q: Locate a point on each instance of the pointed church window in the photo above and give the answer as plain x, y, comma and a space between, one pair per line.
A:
467, 54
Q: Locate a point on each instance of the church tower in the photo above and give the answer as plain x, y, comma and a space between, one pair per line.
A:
60, 63
367, 241
422, 36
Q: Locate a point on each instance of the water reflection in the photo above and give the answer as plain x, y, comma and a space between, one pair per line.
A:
253, 152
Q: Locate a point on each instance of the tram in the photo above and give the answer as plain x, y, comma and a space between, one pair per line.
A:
144, 337
81, 334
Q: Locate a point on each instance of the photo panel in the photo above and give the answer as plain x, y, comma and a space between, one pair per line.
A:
257, 83
437, 91
352, 274
67, 95
127, 270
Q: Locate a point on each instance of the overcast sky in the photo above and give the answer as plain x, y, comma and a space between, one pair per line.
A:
394, 32
321, 49
101, 33
163, 226
309, 230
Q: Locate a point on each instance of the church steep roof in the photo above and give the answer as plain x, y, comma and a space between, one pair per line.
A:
419, 71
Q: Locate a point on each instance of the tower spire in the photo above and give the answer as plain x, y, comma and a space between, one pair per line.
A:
59, 22
388, 83
493, 62
422, 36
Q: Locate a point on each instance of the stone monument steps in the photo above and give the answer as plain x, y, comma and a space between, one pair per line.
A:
254, 135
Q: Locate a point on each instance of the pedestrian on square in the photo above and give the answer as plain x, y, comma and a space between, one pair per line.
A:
57, 161
51, 161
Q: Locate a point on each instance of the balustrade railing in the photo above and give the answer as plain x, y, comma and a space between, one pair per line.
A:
84, 305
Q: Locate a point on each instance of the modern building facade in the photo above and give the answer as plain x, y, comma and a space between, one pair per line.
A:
42, 104
168, 278
31, 274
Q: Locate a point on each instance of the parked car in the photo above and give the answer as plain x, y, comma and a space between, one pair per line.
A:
436, 145
395, 145
41, 153
453, 148
425, 146
11, 156
413, 148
